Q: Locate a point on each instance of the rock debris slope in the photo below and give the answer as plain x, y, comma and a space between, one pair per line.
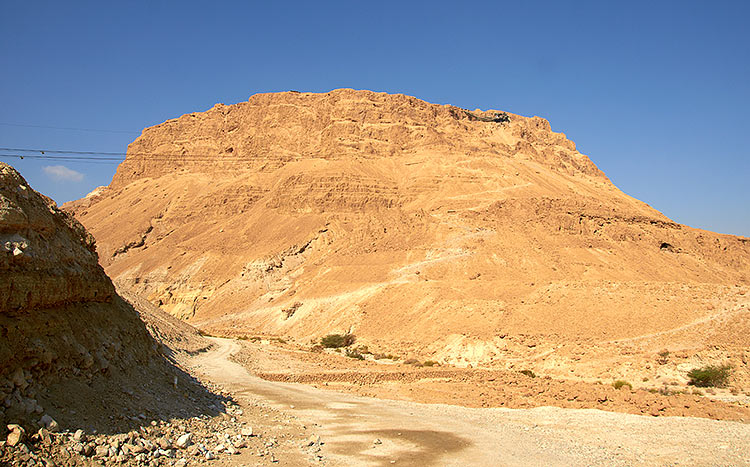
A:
72, 350
468, 237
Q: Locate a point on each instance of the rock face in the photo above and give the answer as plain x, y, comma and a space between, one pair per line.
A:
72, 350
468, 236
47, 257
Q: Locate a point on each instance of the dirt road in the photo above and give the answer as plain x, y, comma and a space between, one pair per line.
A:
373, 432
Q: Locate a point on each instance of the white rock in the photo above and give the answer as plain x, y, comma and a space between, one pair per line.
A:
210, 456
102, 451
79, 436
16, 435
247, 431
184, 440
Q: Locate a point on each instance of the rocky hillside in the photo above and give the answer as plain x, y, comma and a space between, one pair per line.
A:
469, 237
72, 350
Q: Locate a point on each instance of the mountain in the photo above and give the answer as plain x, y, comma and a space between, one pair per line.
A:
469, 237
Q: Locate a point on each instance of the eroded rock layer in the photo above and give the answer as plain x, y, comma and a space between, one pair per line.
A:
468, 237
72, 350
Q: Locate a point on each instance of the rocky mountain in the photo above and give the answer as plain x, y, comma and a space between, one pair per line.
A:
73, 351
469, 237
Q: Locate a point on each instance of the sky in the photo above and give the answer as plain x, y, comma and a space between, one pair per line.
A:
657, 94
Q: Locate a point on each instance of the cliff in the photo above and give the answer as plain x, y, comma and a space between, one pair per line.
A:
71, 348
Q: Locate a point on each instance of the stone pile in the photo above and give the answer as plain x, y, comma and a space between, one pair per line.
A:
180, 442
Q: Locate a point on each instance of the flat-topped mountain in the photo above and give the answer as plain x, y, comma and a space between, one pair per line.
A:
469, 237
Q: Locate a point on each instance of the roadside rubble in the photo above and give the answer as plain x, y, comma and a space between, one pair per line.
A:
180, 442
193, 441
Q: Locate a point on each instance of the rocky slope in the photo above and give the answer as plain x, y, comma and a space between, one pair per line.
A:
467, 237
73, 350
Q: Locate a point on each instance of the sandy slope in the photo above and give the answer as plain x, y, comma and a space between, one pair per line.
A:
418, 434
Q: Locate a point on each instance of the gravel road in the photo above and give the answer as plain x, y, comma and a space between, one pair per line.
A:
360, 431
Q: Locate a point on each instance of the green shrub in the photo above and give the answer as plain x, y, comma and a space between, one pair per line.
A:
353, 353
412, 361
620, 383
430, 363
335, 341
382, 356
528, 373
710, 376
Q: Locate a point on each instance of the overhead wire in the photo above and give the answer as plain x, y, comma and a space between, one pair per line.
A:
114, 157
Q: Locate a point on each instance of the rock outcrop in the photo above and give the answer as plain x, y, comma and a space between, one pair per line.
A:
73, 352
470, 237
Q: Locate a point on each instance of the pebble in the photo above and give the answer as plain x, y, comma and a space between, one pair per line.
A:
184, 440
16, 435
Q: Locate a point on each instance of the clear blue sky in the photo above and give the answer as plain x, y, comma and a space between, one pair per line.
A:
657, 93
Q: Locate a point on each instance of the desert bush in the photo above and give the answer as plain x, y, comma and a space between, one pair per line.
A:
317, 348
353, 353
363, 349
382, 356
665, 391
412, 361
430, 363
528, 373
710, 376
335, 341
663, 357
620, 383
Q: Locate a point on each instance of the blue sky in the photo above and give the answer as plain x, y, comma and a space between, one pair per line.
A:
656, 93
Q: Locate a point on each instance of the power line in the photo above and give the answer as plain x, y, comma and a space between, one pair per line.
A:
104, 154
23, 125
62, 159
117, 157
60, 151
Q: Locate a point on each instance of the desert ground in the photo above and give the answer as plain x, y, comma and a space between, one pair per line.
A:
371, 431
